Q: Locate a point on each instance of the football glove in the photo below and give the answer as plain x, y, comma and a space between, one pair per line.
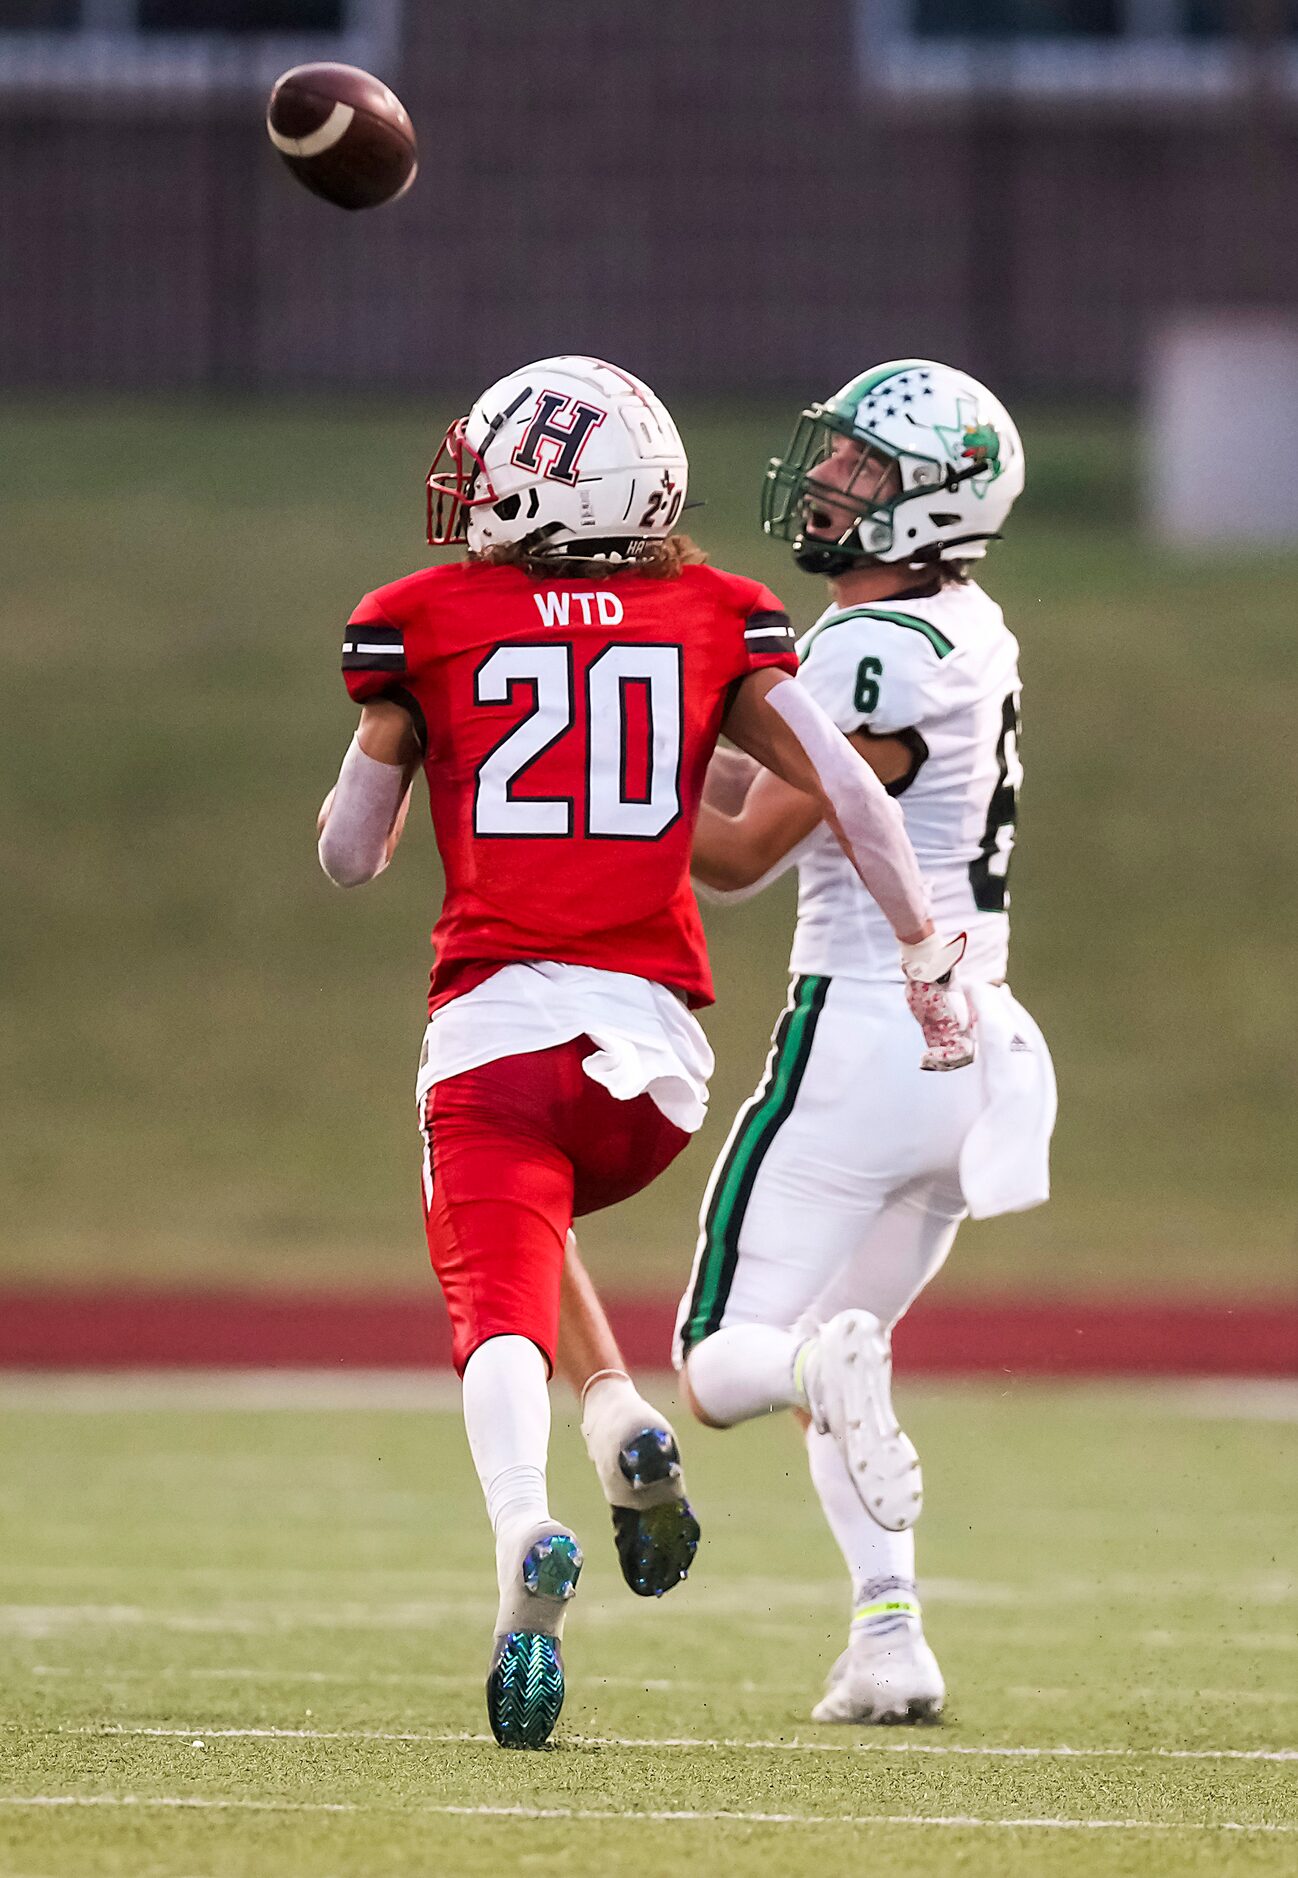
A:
942, 1012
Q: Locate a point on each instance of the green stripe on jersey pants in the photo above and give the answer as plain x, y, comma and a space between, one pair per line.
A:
762, 1118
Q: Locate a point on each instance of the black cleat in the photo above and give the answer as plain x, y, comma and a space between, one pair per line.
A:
656, 1541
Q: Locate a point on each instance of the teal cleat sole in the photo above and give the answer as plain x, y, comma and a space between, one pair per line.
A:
553, 1566
525, 1689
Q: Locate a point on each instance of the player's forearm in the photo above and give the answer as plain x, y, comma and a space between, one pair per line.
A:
736, 857
867, 822
361, 817
587, 1346
720, 856
730, 776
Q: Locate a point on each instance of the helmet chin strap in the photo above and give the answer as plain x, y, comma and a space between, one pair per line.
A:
535, 542
613, 551
955, 477
826, 558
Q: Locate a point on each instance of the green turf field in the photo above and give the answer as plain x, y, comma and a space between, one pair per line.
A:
245, 1640
208, 1051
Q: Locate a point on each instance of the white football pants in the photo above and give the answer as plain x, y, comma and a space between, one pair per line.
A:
839, 1186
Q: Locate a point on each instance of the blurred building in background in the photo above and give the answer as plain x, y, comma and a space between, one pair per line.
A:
736, 195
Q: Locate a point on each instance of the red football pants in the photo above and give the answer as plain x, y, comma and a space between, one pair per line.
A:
512, 1152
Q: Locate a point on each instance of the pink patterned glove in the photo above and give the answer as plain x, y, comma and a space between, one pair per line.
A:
942, 1012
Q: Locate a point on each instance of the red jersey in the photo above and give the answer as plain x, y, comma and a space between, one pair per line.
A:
567, 725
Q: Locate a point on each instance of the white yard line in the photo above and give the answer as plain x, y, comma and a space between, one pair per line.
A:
134, 1799
1209, 1398
1021, 1605
364, 1679
655, 1685
242, 1390
738, 1593
611, 1815
40, 1624
1259, 1640
1134, 1691
1235, 1399
695, 1743
45, 1624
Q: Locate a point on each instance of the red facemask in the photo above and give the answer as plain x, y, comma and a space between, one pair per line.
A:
465, 485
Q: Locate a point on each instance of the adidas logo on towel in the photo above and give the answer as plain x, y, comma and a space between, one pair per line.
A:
1019, 1043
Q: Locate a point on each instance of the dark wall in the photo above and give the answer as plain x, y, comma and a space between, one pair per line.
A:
700, 191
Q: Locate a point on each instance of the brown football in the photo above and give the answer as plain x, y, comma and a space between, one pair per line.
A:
343, 134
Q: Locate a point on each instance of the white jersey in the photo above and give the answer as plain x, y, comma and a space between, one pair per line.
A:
942, 673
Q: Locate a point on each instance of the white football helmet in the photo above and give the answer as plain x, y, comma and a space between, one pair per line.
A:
939, 470
570, 457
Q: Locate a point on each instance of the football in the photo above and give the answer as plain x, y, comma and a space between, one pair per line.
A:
343, 134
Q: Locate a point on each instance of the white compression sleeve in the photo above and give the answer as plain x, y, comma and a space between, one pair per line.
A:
871, 823
367, 796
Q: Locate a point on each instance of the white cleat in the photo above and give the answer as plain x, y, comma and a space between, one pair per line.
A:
847, 1379
887, 1680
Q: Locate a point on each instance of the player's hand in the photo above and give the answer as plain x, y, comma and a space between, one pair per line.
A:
942, 1011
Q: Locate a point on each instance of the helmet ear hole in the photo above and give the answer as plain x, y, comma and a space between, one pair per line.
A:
507, 508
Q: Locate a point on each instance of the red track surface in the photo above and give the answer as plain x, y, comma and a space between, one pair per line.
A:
71, 1329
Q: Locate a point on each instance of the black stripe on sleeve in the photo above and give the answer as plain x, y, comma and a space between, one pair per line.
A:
768, 631
373, 648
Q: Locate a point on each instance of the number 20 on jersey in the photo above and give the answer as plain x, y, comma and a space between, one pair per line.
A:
613, 809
